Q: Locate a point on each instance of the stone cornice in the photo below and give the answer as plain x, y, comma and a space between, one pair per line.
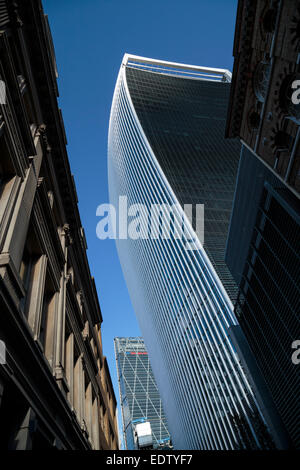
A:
56, 140
242, 52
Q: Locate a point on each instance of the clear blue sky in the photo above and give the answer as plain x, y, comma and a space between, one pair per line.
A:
90, 39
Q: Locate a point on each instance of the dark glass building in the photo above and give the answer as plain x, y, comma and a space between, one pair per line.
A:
140, 399
263, 255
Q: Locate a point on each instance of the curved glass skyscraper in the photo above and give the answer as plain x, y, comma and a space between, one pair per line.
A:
166, 146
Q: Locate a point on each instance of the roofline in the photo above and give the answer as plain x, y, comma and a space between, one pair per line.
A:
224, 73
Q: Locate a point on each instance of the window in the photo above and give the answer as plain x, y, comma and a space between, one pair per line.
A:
30, 269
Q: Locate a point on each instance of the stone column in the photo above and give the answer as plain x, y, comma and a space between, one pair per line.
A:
76, 389
95, 424
69, 367
61, 311
79, 389
88, 409
19, 223
7, 205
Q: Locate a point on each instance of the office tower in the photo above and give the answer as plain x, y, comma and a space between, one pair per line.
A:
264, 240
263, 255
166, 146
55, 385
140, 399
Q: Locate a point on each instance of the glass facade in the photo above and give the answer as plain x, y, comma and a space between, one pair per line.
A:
185, 124
268, 303
140, 399
166, 146
263, 256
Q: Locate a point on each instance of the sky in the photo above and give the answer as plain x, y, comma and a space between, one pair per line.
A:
90, 38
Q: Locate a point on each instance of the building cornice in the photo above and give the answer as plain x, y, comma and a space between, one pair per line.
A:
176, 68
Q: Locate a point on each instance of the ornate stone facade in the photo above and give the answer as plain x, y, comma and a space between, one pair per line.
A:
261, 110
263, 242
55, 386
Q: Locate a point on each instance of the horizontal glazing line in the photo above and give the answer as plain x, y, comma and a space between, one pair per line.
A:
181, 72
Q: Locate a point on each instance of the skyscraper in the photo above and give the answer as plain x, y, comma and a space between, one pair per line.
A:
166, 146
140, 399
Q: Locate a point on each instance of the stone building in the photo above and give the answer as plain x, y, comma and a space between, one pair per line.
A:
264, 235
262, 111
55, 385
